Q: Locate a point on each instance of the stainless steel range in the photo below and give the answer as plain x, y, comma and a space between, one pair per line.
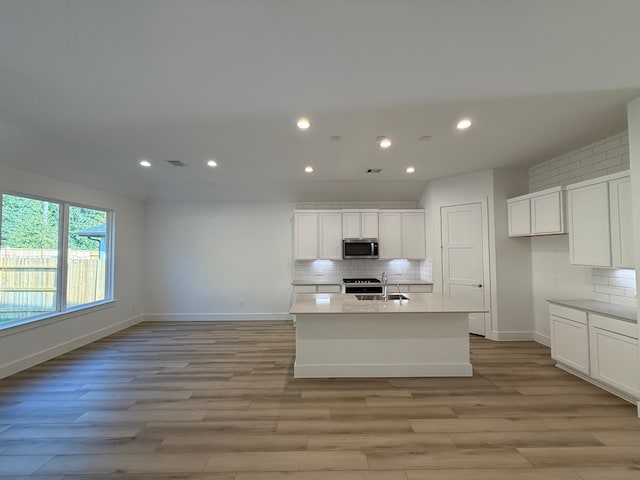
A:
362, 285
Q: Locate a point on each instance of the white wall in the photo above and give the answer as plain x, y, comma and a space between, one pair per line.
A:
26, 345
218, 261
514, 316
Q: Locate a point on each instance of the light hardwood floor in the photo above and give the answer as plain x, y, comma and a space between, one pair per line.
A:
217, 401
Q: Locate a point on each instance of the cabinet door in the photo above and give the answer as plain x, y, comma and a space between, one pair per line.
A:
614, 360
390, 235
546, 214
570, 343
622, 252
369, 224
589, 231
330, 225
519, 218
351, 225
306, 236
413, 236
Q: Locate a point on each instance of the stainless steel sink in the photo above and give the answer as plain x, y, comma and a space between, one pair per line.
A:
392, 296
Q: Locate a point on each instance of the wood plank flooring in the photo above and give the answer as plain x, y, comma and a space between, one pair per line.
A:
217, 401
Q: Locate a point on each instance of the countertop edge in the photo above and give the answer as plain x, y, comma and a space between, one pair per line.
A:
621, 312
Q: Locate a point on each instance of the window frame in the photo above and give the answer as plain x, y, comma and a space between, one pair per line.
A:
63, 255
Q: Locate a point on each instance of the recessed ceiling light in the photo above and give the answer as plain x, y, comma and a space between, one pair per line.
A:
144, 163
212, 163
303, 123
308, 169
384, 142
410, 169
463, 124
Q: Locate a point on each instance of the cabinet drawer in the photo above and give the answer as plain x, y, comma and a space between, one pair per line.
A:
329, 288
304, 289
614, 325
569, 313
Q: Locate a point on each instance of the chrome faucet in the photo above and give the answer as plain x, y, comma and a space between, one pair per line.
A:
385, 293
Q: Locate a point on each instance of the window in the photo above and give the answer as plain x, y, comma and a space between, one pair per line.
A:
54, 256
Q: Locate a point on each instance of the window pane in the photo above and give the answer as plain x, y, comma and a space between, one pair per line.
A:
87, 256
28, 257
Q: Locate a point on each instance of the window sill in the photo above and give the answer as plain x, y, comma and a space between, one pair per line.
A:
54, 317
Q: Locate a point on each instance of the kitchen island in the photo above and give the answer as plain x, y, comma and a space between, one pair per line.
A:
340, 335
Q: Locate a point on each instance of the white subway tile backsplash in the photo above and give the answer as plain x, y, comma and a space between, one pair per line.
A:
609, 290
626, 301
621, 150
622, 282
581, 164
607, 145
593, 159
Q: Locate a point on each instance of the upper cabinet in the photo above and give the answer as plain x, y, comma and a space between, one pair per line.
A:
538, 213
402, 234
317, 235
600, 222
359, 224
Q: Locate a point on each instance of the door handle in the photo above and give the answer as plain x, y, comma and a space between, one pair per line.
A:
479, 285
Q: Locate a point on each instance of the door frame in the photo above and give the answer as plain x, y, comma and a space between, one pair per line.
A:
486, 257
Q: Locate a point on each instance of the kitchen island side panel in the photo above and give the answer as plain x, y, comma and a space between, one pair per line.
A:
382, 345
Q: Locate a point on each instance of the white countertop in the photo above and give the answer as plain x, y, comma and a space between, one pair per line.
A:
342, 303
628, 314
338, 281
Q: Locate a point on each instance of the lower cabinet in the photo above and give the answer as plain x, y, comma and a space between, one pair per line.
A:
570, 337
614, 355
604, 349
317, 288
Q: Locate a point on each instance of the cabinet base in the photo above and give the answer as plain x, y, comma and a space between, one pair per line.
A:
635, 399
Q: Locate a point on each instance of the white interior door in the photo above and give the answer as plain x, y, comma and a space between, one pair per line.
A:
463, 258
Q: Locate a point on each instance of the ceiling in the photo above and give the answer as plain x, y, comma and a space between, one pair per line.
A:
90, 87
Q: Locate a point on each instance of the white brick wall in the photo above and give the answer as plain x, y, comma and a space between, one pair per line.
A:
360, 205
606, 156
336, 270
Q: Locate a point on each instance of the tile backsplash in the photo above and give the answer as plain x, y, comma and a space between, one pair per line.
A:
332, 270
615, 286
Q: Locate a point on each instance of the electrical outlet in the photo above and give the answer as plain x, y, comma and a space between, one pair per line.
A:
241, 303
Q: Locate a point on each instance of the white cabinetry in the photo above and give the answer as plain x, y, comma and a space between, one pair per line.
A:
539, 213
570, 337
402, 234
319, 288
359, 224
614, 353
330, 233
599, 348
317, 235
600, 222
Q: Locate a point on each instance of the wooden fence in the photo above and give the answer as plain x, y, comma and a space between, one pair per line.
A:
28, 284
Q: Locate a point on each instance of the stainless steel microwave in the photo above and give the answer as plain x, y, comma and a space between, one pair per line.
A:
360, 248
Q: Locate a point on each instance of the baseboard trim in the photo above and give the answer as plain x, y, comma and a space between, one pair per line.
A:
542, 339
44, 355
382, 370
216, 317
618, 393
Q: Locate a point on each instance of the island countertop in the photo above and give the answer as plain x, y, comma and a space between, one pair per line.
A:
332, 303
